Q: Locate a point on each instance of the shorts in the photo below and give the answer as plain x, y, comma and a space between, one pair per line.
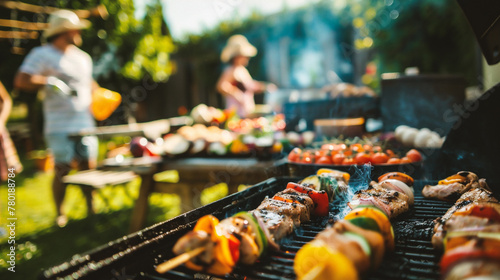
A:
66, 149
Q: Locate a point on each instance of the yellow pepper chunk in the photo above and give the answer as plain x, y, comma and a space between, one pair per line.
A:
316, 260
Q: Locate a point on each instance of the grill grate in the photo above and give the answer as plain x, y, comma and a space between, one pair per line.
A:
135, 256
414, 257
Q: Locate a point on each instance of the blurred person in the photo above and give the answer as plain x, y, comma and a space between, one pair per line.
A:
8, 153
236, 83
64, 73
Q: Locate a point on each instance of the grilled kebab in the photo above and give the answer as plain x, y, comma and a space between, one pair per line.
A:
356, 244
244, 237
469, 235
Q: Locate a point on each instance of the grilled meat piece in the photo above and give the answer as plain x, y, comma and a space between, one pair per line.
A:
374, 238
464, 222
334, 239
299, 213
475, 195
478, 196
294, 195
484, 185
448, 192
391, 202
278, 225
452, 187
249, 252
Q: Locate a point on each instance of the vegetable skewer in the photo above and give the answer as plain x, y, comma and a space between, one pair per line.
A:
246, 236
357, 244
469, 231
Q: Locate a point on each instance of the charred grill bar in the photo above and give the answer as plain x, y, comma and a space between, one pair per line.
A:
135, 256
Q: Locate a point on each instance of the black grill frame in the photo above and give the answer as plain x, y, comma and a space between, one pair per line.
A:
135, 256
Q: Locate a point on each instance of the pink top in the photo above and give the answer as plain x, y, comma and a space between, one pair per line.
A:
248, 106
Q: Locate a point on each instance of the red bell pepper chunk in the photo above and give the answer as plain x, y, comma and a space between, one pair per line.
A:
483, 211
460, 253
320, 198
234, 247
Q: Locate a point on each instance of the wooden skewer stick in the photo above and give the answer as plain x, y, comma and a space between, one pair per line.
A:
180, 259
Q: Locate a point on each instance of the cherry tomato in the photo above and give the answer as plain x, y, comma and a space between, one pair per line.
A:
322, 152
405, 160
332, 153
294, 155
390, 153
338, 158
357, 147
362, 158
308, 157
328, 147
414, 155
394, 161
318, 153
367, 147
379, 158
348, 161
377, 149
347, 152
324, 160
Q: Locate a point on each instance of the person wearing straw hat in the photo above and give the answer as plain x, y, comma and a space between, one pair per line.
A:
236, 83
64, 73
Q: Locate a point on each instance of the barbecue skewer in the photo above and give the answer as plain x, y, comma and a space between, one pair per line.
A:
178, 260
468, 233
226, 236
357, 243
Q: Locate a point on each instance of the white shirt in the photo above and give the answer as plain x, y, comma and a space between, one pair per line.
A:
63, 114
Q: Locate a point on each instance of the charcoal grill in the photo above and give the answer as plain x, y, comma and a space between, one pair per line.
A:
135, 256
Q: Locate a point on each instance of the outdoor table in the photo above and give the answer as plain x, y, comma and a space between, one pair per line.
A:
196, 174
145, 167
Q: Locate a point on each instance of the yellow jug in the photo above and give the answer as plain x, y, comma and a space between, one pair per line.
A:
104, 103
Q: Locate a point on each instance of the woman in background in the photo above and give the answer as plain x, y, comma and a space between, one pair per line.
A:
236, 83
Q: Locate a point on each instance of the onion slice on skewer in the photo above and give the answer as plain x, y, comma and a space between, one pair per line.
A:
270, 241
393, 184
370, 201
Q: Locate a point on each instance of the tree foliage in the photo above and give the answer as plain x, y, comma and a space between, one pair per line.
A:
432, 35
151, 56
114, 43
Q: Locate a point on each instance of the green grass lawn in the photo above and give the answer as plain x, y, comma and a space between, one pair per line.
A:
41, 244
